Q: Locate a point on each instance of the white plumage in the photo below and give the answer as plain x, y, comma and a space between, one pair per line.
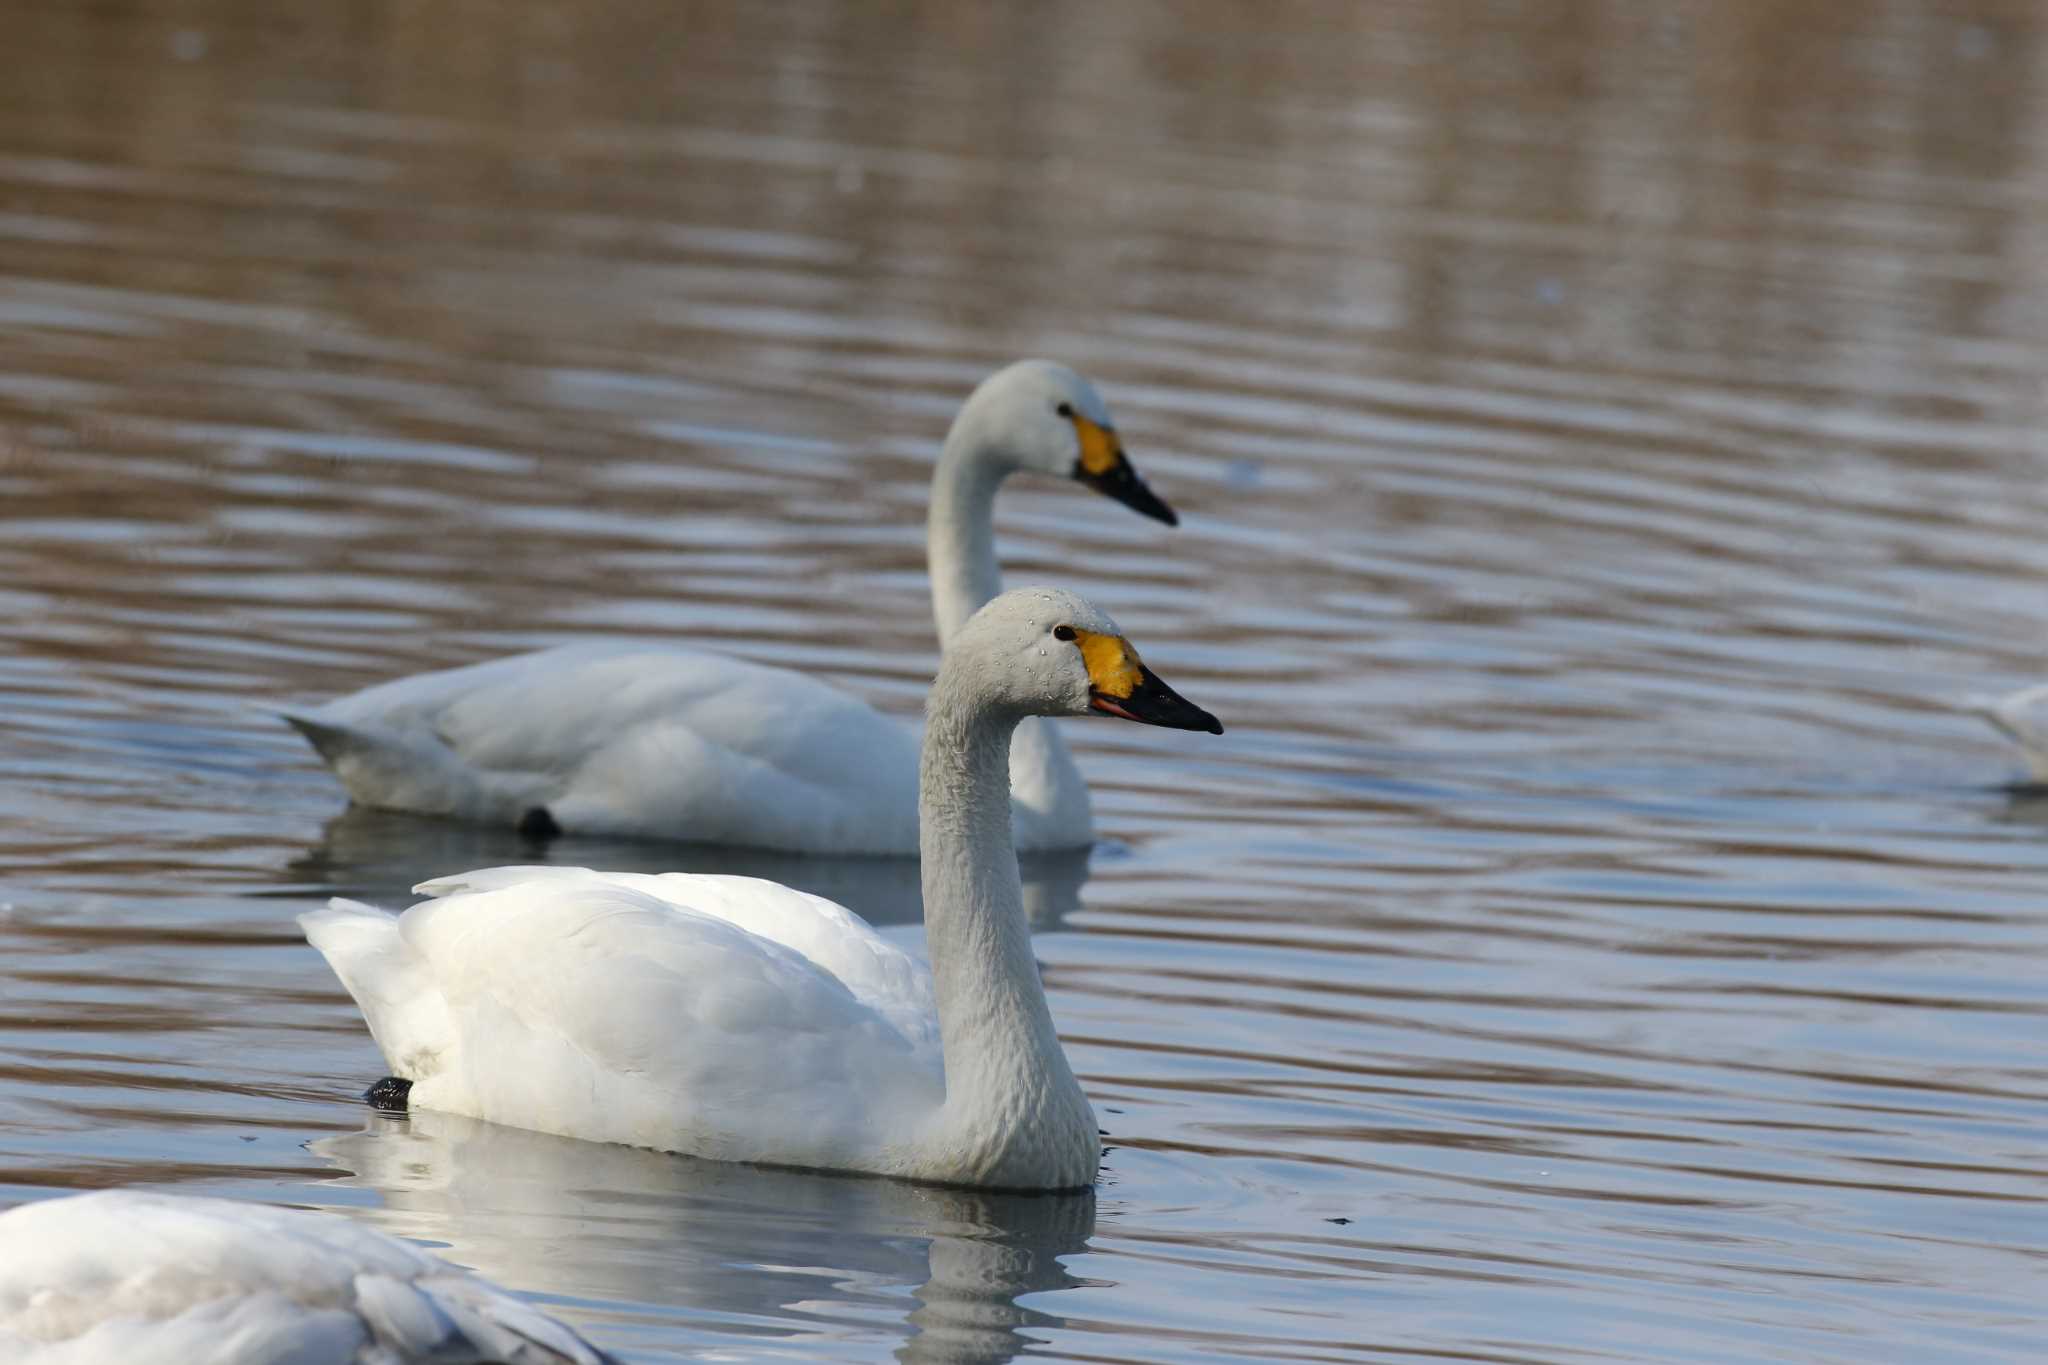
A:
738, 1019
638, 739
725, 1016
128, 1277
667, 742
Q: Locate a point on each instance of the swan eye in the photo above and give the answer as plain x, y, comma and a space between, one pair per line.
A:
1062, 632
1065, 410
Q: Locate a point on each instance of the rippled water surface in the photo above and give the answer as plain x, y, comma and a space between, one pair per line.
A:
1609, 442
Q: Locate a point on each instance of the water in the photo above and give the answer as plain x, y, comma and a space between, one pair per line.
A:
1609, 440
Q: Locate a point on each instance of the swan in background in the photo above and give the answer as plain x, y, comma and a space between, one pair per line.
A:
741, 1020
661, 741
2022, 717
140, 1278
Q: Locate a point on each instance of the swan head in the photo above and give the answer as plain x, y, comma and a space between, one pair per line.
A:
1041, 416
1048, 652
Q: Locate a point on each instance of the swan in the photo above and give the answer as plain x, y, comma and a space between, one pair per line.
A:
740, 1020
660, 741
164, 1279
2019, 717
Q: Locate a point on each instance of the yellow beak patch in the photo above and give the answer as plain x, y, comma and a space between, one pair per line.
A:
1113, 666
1100, 452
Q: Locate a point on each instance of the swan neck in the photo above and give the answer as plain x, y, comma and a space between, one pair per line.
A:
960, 538
960, 550
1002, 1053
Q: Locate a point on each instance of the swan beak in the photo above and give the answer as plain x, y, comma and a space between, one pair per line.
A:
1119, 684
1104, 467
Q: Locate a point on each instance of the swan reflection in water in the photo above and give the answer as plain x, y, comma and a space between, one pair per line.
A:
379, 856
749, 1251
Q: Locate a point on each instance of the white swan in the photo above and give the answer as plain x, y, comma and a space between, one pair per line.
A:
666, 742
161, 1279
2021, 717
737, 1019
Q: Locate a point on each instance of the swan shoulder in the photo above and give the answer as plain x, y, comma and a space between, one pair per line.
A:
134, 1275
633, 739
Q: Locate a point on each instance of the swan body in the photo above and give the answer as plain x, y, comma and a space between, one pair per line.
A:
623, 738
677, 743
2023, 718
737, 1019
158, 1279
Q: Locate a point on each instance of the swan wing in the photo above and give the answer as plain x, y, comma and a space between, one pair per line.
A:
880, 975
136, 1276
632, 739
641, 1009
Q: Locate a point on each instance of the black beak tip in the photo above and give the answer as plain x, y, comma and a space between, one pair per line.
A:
1142, 500
1123, 484
1154, 703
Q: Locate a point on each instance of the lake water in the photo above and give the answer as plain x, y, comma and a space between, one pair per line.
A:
1610, 439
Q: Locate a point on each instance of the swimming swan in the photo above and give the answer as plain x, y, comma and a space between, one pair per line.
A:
2021, 718
737, 1019
660, 741
162, 1279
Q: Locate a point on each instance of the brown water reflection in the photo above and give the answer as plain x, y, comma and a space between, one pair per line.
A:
1609, 439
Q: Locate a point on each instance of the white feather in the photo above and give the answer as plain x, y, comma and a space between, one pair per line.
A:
678, 1011
156, 1279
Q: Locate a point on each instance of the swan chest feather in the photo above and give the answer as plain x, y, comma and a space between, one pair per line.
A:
1036, 1132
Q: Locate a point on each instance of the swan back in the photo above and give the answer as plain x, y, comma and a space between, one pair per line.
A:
875, 971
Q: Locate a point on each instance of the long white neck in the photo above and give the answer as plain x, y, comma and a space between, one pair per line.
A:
960, 557
1012, 1103
960, 533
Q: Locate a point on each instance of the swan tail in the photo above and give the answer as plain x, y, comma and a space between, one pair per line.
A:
459, 1317
1987, 707
2011, 716
406, 1012
391, 767
329, 740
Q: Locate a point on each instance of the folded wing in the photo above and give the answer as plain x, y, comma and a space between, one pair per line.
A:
711, 1015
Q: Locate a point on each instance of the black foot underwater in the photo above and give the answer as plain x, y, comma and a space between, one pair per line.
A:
538, 825
389, 1095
